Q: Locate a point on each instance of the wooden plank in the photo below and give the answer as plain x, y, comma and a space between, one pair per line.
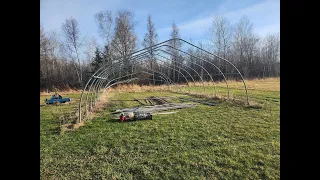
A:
139, 101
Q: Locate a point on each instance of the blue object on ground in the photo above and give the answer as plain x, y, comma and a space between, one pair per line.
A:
59, 99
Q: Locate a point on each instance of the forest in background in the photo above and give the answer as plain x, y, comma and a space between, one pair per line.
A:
69, 61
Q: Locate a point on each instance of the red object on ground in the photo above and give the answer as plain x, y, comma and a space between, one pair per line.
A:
122, 118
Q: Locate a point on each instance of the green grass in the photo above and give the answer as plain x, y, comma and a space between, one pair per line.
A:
226, 141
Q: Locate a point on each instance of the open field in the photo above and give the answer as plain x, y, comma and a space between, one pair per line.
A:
226, 141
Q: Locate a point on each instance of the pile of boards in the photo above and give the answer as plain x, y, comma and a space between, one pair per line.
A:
156, 108
150, 106
154, 105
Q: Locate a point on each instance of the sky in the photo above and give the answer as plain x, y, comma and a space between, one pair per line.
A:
193, 17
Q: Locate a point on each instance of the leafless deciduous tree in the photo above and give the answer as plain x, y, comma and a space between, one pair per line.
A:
150, 39
270, 53
42, 40
124, 39
44, 48
71, 32
91, 45
53, 43
60, 64
104, 20
244, 44
177, 45
220, 34
199, 54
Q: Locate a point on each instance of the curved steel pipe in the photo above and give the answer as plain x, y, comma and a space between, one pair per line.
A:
118, 78
244, 83
137, 53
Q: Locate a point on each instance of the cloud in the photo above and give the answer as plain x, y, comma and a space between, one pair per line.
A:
261, 11
269, 29
53, 13
265, 16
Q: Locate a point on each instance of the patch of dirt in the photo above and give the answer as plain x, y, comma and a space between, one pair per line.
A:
71, 127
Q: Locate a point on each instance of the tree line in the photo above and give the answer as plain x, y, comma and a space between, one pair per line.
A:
69, 61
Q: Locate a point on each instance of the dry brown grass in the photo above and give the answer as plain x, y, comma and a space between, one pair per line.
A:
70, 121
269, 84
70, 91
217, 98
70, 127
137, 88
100, 105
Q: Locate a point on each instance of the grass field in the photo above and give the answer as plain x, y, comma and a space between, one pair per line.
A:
226, 141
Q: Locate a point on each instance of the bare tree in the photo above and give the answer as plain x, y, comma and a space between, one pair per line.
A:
49, 46
44, 51
53, 43
220, 34
192, 60
53, 46
175, 43
71, 31
91, 45
199, 53
150, 39
270, 54
42, 40
124, 39
244, 44
254, 57
104, 20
